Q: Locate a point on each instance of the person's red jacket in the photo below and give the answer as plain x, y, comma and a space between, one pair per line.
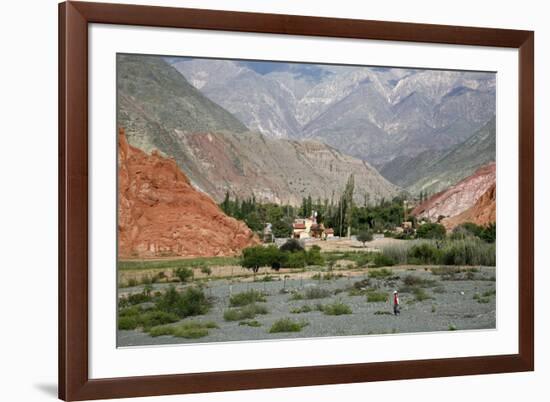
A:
396, 299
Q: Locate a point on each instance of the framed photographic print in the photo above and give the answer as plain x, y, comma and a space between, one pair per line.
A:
259, 200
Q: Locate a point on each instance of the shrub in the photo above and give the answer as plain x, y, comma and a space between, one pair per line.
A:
127, 323
424, 253
314, 257
190, 302
248, 297
336, 308
244, 313
431, 231
382, 260
364, 236
133, 299
206, 270
296, 260
287, 325
184, 274
189, 330
292, 245
376, 297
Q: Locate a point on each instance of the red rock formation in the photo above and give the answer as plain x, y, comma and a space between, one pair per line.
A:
460, 197
483, 212
161, 214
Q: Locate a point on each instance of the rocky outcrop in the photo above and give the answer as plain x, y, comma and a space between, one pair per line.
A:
160, 214
459, 198
483, 212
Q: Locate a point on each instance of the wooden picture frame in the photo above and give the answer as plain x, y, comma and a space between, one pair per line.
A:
74, 381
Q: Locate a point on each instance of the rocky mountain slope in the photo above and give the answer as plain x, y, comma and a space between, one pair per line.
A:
460, 197
483, 212
276, 170
154, 103
164, 112
160, 214
369, 112
434, 171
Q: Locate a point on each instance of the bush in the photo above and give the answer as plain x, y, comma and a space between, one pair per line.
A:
206, 270
364, 236
431, 231
424, 253
336, 308
244, 298
292, 245
296, 260
244, 313
381, 260
184, 274
287, 325
190, 302
313, 256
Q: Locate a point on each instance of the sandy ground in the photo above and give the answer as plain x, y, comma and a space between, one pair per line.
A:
452, 306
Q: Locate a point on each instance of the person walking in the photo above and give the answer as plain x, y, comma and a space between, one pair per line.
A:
396, 303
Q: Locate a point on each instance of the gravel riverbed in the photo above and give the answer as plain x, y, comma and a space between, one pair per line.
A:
452, 305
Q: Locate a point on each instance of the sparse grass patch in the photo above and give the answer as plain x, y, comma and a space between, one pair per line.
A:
248, 297
336, 308
189, 330
311, 293
412, 280
306, 308
380, 273
244, 313
376, 297
382, 312
287, 325
421, 295
134, 317
251, 323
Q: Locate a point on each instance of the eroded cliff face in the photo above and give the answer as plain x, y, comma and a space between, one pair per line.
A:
483, 212
160, 214
463, 197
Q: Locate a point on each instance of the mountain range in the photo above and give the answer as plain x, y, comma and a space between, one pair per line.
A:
160, 110
373, 113
433, 171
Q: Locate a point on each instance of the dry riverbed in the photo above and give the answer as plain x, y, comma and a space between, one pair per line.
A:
439, 301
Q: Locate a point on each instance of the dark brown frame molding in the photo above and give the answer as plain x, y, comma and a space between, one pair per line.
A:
74, 17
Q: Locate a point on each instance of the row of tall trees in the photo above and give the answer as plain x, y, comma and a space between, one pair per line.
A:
341, 212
